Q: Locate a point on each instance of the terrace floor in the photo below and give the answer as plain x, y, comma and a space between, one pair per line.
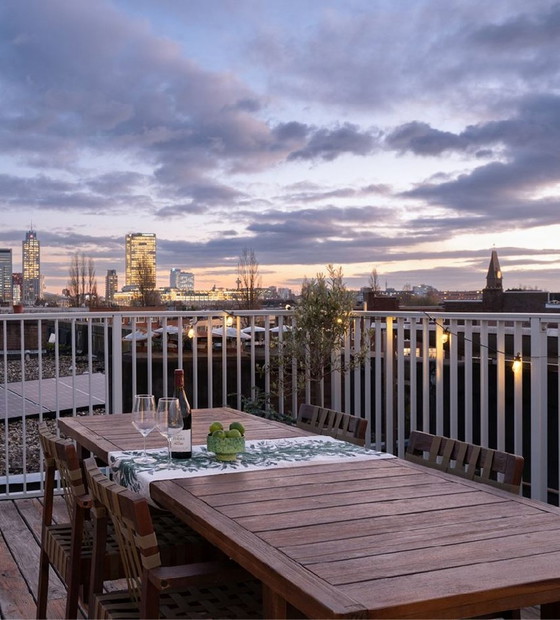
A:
20, 529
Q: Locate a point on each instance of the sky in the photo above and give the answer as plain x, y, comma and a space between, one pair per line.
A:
410, 137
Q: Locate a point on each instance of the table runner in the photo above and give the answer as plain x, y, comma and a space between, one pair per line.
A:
259, 454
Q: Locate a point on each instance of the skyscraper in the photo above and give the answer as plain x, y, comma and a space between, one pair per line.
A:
111, 285
5, 275
140, 260
180, 279
31, 263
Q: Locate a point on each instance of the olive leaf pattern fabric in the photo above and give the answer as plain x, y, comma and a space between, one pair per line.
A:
259, 454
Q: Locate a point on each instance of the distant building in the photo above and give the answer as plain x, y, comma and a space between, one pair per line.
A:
183, 280
6, 294
111, 285
31, 262
495, 299
285, 293
140, 260
17, 287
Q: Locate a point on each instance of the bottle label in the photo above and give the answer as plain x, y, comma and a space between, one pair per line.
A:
181, 442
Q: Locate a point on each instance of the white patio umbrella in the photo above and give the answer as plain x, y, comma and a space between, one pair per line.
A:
138, 335
170, 329
231, 332
283, 328
257, 328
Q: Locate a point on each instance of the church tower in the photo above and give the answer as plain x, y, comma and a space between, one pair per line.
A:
493, 293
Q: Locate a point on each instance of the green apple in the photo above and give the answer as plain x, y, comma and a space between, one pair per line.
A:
215, 426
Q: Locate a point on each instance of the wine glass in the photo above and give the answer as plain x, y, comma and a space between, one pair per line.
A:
169, 420
144, 420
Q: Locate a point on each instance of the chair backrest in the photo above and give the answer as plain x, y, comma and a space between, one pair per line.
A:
60, 456
133, 525
339, 425
494, 467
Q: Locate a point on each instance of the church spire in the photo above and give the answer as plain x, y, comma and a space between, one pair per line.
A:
494, 276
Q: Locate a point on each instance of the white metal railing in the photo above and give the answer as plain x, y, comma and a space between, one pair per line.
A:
65, 363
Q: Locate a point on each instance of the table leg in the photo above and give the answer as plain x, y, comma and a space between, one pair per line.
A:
550, 610
274, 605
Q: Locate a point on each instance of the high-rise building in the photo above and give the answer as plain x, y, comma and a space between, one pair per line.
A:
183, 280
31, 263
111, 285
140, 260
6, 275
17, 287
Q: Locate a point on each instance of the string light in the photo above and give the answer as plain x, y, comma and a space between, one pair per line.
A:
190, 333
517, 362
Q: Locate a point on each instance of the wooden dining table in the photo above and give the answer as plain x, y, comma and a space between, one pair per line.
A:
373, 538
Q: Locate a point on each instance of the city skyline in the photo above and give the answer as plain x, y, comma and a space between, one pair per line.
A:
408, 137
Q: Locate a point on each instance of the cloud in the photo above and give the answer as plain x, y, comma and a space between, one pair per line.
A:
510, 187
328, 144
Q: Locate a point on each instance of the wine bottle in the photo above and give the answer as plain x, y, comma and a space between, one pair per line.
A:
181, 442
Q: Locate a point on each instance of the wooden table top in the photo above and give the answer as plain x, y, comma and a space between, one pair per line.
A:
103, 434
383, 538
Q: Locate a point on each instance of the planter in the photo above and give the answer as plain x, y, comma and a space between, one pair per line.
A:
225, 448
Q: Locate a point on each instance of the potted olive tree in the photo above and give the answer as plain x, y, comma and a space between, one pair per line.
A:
310, 351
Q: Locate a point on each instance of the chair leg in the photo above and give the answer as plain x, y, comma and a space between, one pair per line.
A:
74, 578
149, 599
97, 561
43, 588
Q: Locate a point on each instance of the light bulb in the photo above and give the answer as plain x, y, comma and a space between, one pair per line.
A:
517, 363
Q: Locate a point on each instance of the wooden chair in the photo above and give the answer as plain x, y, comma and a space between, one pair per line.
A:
493, 467
339, 425
84, 550
68, 546
216, 589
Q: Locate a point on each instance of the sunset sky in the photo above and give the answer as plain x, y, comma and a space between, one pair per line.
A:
409, 136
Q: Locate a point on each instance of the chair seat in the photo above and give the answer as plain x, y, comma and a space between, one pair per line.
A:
179, 545
239, 600
58, 544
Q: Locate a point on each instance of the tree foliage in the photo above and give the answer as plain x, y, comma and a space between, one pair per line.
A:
146, 279
321, 322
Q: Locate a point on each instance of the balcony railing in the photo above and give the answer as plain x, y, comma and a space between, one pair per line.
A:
81, 363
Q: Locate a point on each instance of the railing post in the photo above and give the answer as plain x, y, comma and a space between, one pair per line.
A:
538, 410
116, 404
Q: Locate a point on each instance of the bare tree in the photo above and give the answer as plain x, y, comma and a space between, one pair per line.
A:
146, 279
249, 280
373, 282
82, 283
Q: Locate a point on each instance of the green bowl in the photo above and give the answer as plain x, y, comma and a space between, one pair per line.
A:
225, 448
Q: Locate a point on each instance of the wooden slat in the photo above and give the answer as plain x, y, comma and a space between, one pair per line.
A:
19, 577
334, 516
354, 527
452, 588
318, 502
292, 490
337, 548
437, 557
